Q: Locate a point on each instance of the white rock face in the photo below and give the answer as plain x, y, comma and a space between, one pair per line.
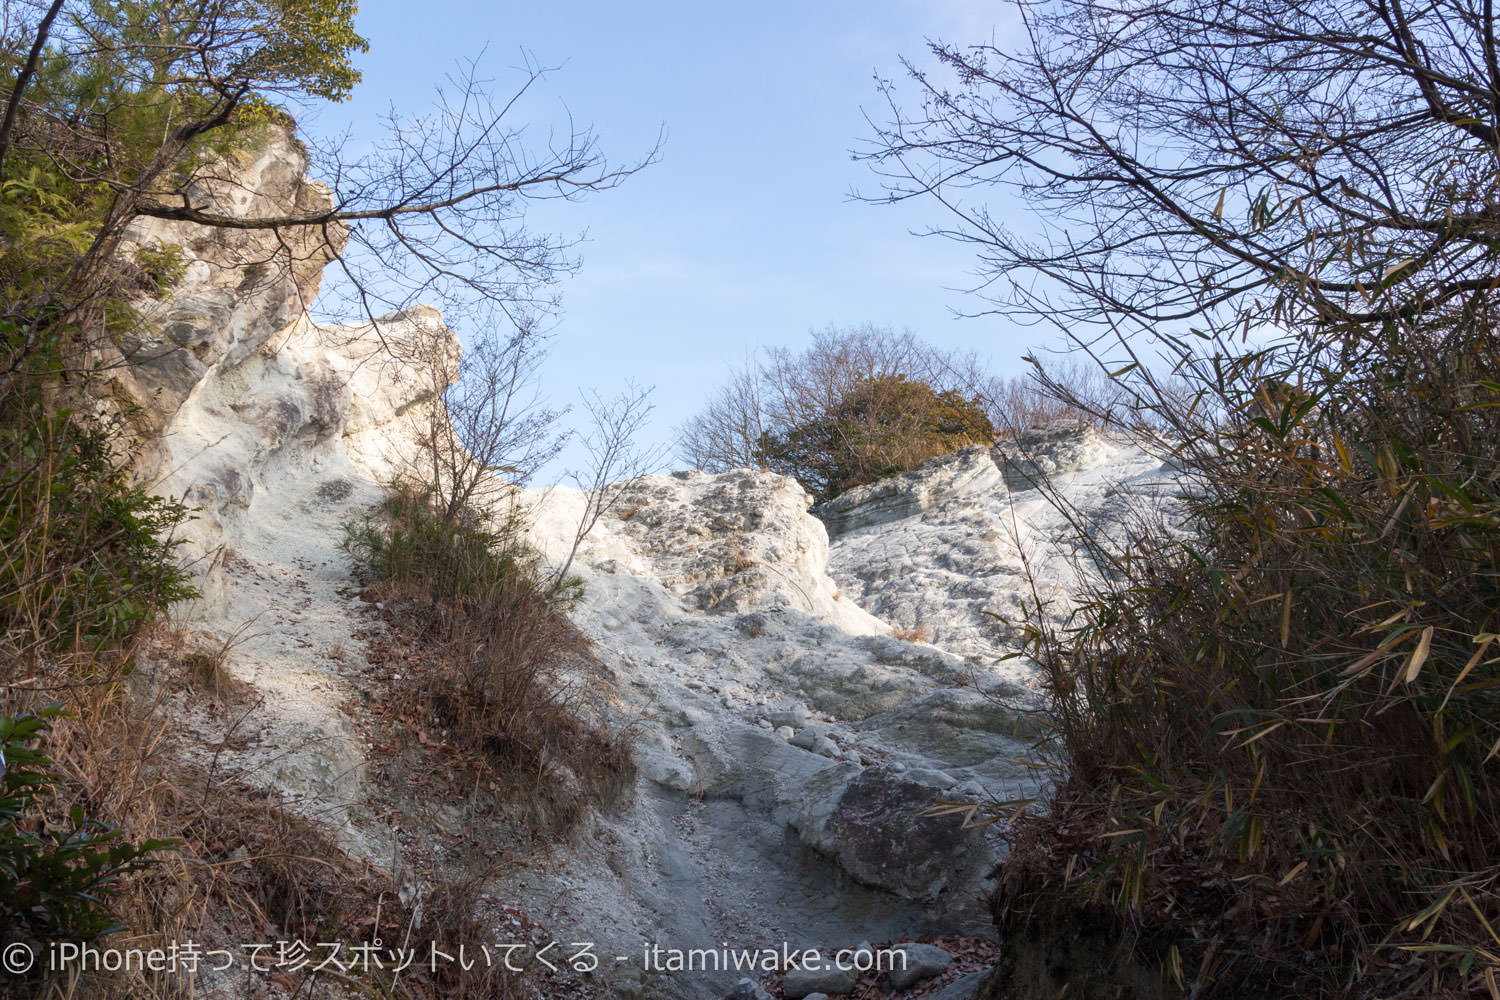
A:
788, 744
240, 288
277, 451
722, 544
960, 547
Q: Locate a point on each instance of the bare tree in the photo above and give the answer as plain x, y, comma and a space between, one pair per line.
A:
482, 429
726, 433
1295, 208
615, 462
137, 98
1208, 172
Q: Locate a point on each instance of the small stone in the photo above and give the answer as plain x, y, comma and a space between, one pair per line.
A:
629, 984
808, 737
827, 748
795, 715
923, 962
966, 988
747, 989
785, 732
764, 723
802, 983
933, 777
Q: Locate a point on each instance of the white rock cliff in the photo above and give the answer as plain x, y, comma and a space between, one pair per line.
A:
788, 743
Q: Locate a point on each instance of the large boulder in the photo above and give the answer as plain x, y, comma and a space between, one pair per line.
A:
883, 831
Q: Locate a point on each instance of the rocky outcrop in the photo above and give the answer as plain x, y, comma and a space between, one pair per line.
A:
734, 543
960, 549
790, 746
240, 289
962, 476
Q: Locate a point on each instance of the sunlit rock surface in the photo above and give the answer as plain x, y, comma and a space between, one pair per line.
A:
789, 744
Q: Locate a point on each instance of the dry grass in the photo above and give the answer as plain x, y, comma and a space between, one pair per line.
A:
1281, 731
484, 669
917, 633
200, 662
630, 509
243, 869
242, 866
737, 561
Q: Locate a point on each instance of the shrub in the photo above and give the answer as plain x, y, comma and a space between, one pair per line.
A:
1279, 726
1285, 724
56, 878
86, 557
858, 404
867, 402
781, 391
488, 626
879, 427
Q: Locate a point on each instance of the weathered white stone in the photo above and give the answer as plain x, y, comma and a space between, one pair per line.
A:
724, 620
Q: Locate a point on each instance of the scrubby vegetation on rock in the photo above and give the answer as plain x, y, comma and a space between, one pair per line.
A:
879, 427
856, 406
1275, 721
482, 639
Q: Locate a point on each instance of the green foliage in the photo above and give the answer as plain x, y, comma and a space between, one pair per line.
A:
162, 267
307, 44
55, 878
492, 630
469, 558
85, 557
128, 102
47, 223
879, 427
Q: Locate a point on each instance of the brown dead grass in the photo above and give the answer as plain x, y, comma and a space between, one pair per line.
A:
542, 769
917, 633
244, 869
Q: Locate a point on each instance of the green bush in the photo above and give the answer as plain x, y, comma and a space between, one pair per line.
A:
878, 427
490, 631
85, 557
56, 879
493, 611
854, 405
468, 558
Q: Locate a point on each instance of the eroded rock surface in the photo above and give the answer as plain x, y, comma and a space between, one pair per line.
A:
959, 549
240, 288
789, 744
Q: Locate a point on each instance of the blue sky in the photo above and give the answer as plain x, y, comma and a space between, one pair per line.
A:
743, 234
